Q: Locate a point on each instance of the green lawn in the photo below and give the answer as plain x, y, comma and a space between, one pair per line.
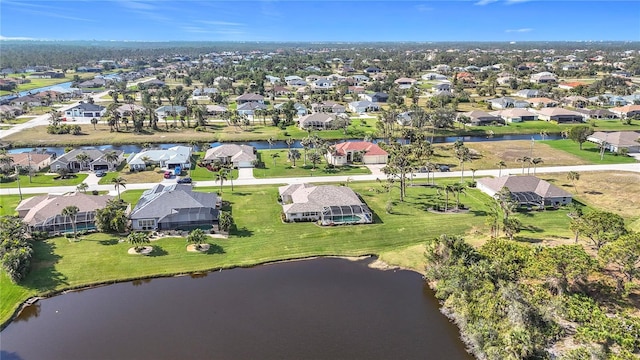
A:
590, 152
40, 180
260, 236
283, 168
8, 203
535, 127
198, 173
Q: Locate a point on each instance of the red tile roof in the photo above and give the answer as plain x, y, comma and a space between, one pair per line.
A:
369, 148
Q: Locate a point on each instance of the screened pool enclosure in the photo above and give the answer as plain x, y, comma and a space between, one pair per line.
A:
349, 214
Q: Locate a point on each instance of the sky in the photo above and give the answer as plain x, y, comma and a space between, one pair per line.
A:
311, 20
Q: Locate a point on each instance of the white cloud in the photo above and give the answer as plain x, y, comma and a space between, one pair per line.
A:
485, 2
516, 1
423, 8
220, 23
16, 38
523, 30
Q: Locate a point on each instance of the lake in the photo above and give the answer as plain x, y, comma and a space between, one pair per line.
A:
326, 308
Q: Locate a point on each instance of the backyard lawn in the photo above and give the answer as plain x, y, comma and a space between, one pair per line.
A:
281, 167
590, 152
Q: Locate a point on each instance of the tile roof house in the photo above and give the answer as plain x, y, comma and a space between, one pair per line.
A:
30, 100
318, 120
250, 97
626, 111
356, 151
478, 118
328, 106
526, 190
328, 204
560, 115
84, 109
616, 141
542, 102
42, 213
176, 156
405, 83
35, 161
241, 156
543, 78
515, 115
175, 207
96, 160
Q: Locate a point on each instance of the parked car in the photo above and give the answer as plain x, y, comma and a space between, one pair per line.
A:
444, 168
101, 173
168, 174
185, 180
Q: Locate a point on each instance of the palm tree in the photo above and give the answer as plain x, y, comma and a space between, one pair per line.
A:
315, 158
83, 159
111, 156
137, 239
457, 189
225, 221
306, 143
289, 142
117, 183
293, 155
535, 162
501, 164
574, 176
196, 237
221, 176
274, 156
82, 187
71, 211
524, 160
270, 141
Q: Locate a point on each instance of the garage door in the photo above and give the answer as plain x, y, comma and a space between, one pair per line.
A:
245, 164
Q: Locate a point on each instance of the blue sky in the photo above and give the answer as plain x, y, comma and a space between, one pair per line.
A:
307, 20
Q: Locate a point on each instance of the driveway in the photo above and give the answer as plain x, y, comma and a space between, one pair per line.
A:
245, 173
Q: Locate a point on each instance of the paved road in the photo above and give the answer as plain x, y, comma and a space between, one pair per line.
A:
91, 181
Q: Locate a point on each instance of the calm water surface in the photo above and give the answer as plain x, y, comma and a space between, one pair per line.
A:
315, 309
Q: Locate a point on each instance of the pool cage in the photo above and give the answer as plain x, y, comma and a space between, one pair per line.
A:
189, 219
62, 224
528, 198
349, 214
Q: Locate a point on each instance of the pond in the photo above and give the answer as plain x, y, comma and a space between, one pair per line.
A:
325, 308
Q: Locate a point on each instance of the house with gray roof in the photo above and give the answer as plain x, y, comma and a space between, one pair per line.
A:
249, 108
560, 115
250, 97
318, 121
241, 156
515, 115
171, 158
43, 213
528, 93
506, 103
363, 106
170, 110
301, 110
618, 140
479, 118
526, 190
328, 106
86, 110
175, 207
97, 160
327, 204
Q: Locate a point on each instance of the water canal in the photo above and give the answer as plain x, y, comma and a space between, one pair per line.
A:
324, 308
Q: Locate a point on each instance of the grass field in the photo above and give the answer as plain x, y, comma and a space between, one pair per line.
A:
40, 180
590, 152
283, 168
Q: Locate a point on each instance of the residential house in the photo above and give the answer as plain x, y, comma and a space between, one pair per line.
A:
527, 191
479, 118
609, 100
280, 91
378, 97
327, 204
301, 110
170, 110
250, 97
250, 108
29, 100
372, 70
627, 111
598, 113
86, 110
204, 91
215, 109
543, 78
328, 106
442, 86
93, 83
46, 75
359, 79
356, 151
616, 141
575, 101
97, 160
433, 76
14, 110
528, 93
32, 160
175, 207
272, 79
542, 102
128, 109
405, 83
560, 115
363, 106
240, 156
507, 103
571, 85
151, 83
43, 213
171, 158
515, 115
322, 84
318, 121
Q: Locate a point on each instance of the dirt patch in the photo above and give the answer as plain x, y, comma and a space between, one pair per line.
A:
203, 248
145, 251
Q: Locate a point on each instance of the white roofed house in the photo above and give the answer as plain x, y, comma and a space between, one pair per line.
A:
241, 156
363, 106
328, 204
527, 190
249, 108
97, 160
543, 78
479, 118
560, 115
176, 156
515, 115
317, 121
